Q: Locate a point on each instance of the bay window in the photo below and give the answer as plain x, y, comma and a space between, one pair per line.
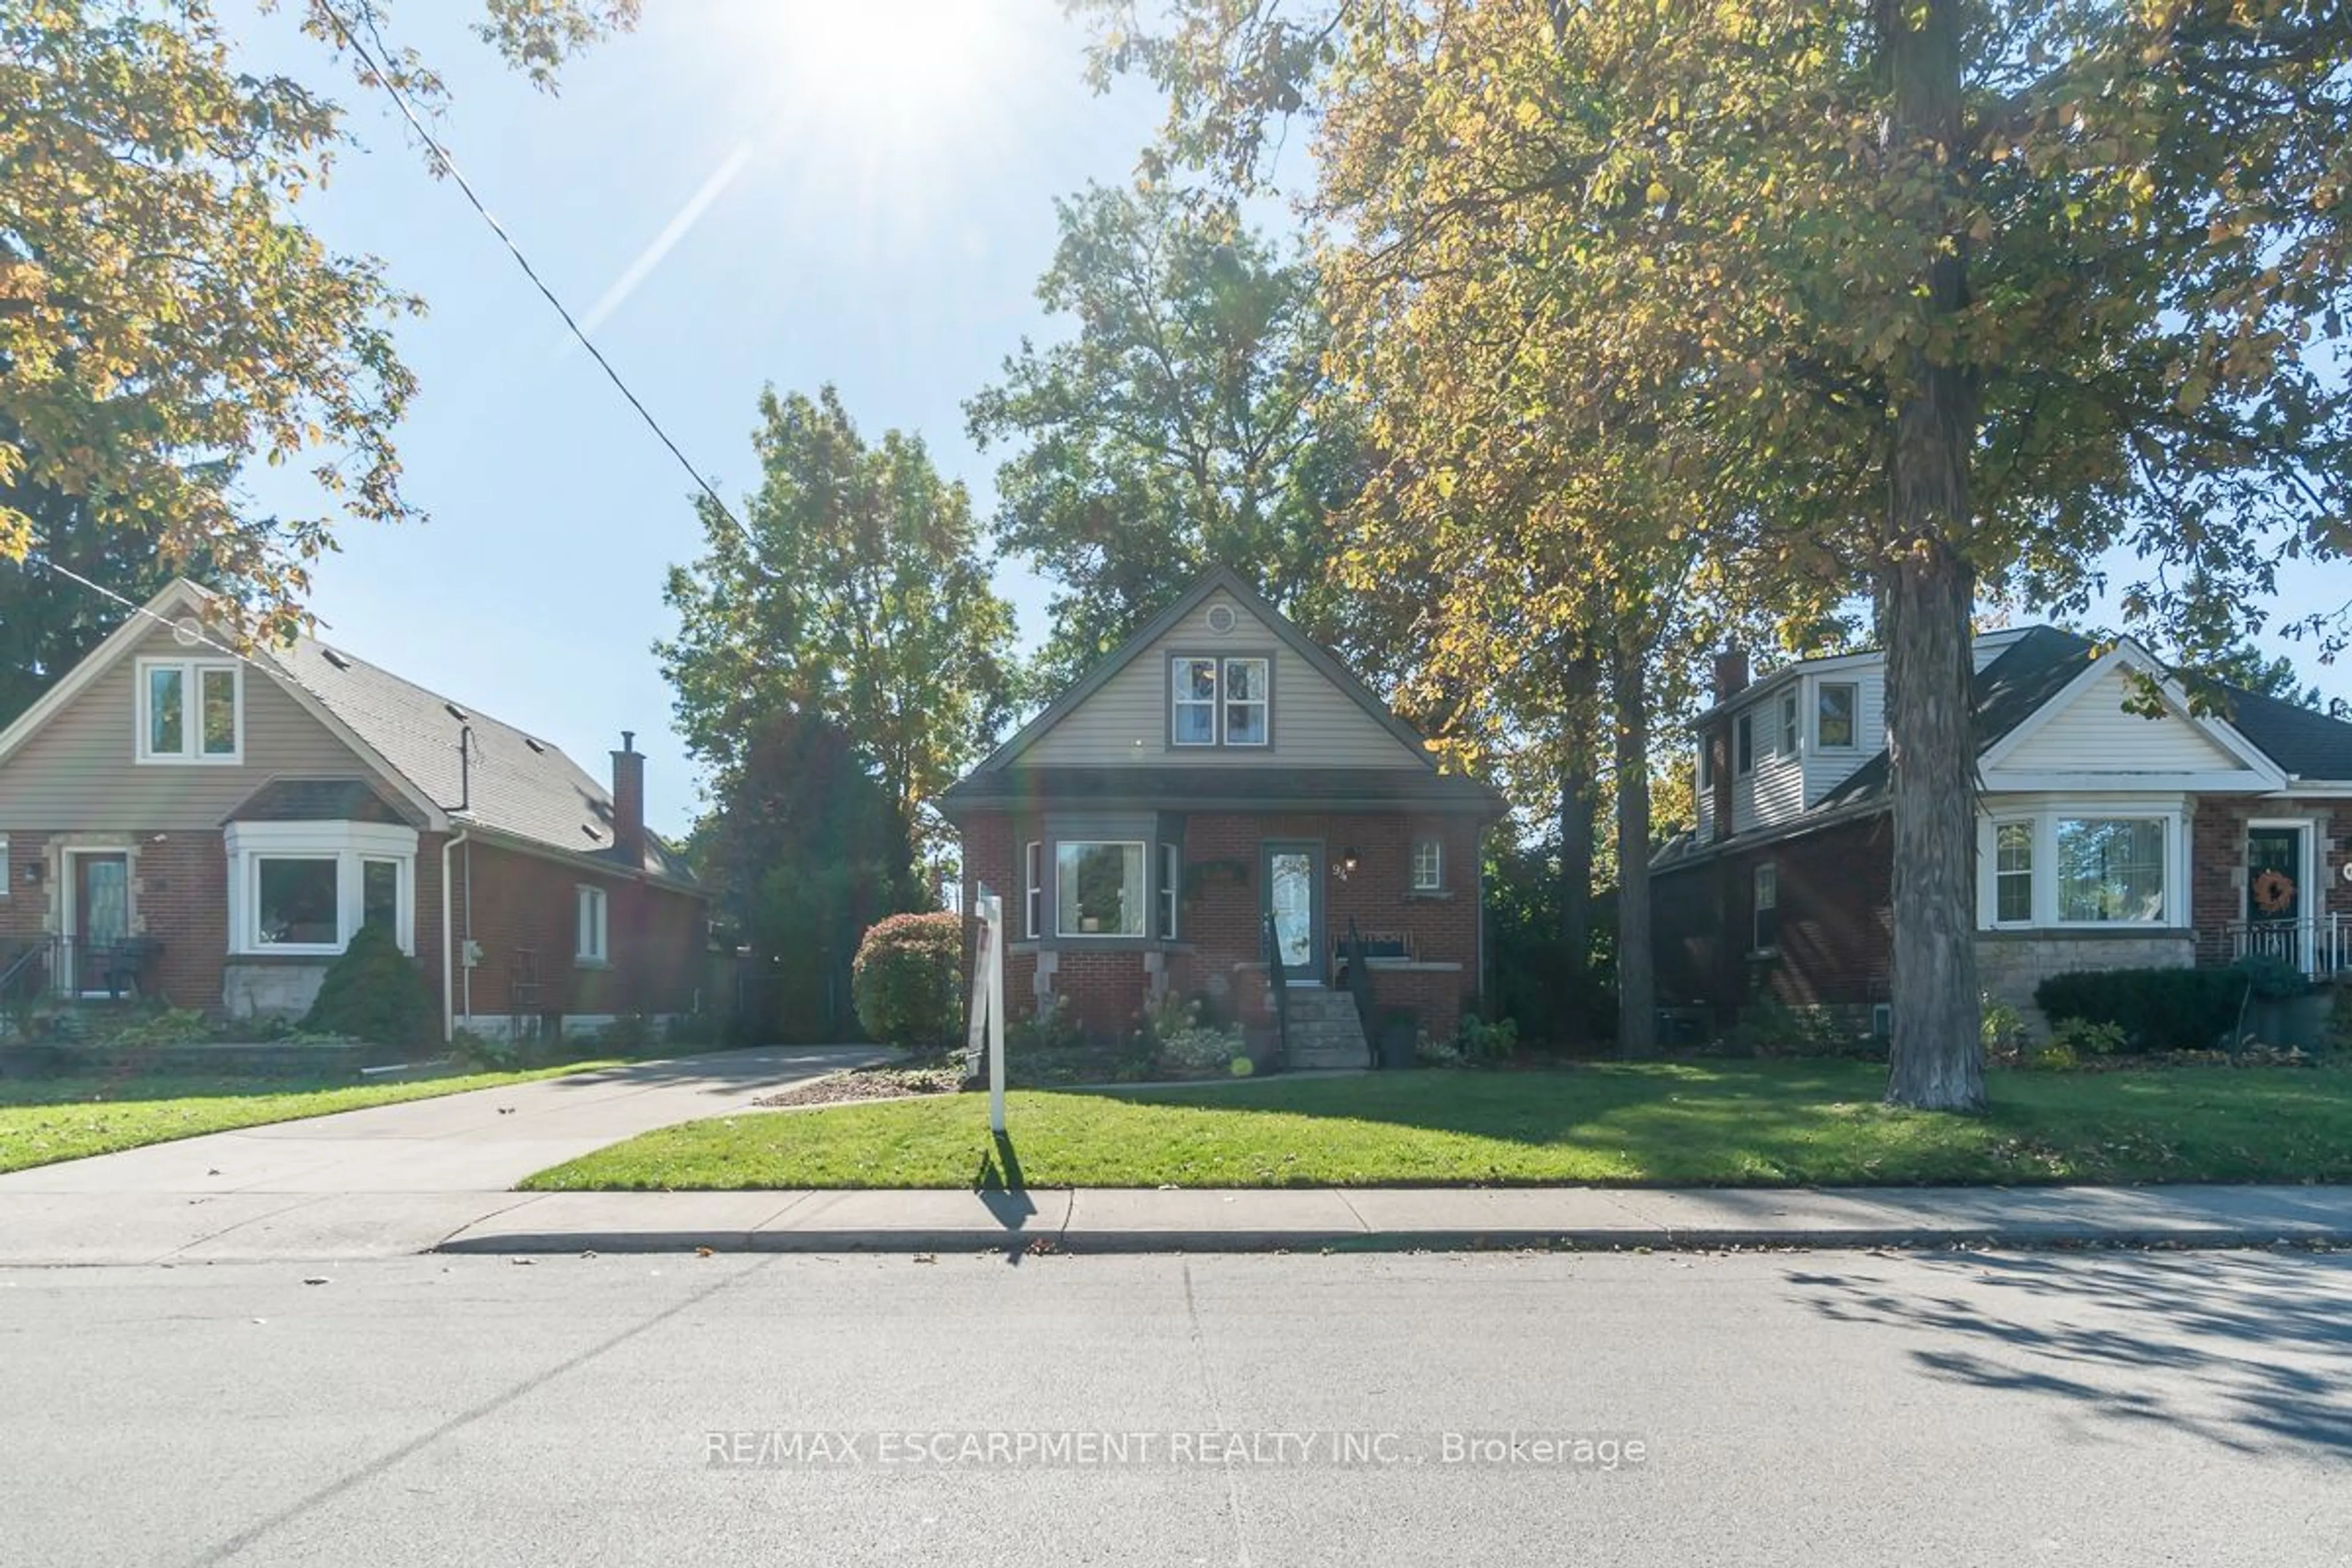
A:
1098, 889
191, 710
2082, 864
306, 888
2110, 869
2013, 873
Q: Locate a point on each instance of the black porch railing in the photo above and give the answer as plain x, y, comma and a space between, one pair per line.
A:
48, 967
1360, 987
1278, 989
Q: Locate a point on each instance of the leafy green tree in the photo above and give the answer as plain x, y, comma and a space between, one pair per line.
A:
1183, 424
2246, 667
1967, 294
164, 317
854, 594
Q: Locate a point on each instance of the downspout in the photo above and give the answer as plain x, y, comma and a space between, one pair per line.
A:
449, 949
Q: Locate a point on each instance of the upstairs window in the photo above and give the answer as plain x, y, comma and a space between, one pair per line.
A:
191, 710
1707, 762
1788, 737
1834, 710
1219, 701
1743, 745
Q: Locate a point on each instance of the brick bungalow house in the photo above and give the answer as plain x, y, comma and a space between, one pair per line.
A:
2105, 839
1219, 772
191, 827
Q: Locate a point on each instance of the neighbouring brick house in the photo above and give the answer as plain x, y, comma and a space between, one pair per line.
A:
2106, 838
189, 826
1217, 775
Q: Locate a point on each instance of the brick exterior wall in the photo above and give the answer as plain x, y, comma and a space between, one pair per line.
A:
1216, 954
657, 936
2218, 862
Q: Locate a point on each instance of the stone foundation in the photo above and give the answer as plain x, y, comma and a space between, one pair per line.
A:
2010, 965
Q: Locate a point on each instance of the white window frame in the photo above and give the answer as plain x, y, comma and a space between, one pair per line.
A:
591, 930
191, 673
1790, 732
1171, 891
2044, 813
1743, 745
1429, 876
1852, 689
2033, 858
8, 871
1764, 893
351, 845
1222, 704
1032, 904
1705, 762
1064, 913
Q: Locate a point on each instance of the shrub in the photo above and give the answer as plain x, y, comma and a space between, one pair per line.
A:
1480, 1041
2081, 1038
2053, 1058
2004, 1029
1200, 1050
163, 1027
1053, 1028
1431, 1052
483, 1051
2272, 978
905, 979
375, 993
2156, 1009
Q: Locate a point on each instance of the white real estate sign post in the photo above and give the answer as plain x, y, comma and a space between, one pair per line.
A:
988, 1003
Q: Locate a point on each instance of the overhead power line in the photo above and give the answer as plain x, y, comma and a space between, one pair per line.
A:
449, 166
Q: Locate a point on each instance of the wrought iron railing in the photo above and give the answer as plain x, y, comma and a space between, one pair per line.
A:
1277, 987
1360, 987
2319, 945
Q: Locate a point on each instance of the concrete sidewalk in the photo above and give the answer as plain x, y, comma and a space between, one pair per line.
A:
1116, 1220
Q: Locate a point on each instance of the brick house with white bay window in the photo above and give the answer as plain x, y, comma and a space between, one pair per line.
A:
1218, 773
2106, 838
185, 825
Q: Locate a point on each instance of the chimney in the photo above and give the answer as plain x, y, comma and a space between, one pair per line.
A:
1730, 673
629, 799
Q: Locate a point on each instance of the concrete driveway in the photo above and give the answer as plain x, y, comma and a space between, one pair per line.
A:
387, 1180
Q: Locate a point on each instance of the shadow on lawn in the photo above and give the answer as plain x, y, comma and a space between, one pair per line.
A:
2249, 1351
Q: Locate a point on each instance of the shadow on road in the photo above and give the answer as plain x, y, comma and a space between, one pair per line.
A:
2251, 1351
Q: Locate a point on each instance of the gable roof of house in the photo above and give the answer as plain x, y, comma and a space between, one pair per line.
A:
521, 788
1002, 778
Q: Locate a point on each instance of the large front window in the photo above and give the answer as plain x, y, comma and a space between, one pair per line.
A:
1098, 889
2110, 869
309, 887
189, 711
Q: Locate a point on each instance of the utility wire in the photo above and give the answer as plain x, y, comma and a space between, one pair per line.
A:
179, 628
449, 166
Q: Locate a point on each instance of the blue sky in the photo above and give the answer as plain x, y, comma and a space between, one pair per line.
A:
741, 192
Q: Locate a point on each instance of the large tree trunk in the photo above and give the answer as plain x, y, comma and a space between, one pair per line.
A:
1938, 1052
1577, 787
1637, 1016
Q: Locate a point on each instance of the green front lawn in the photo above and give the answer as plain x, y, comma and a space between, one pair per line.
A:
1739, 1123
43, 1120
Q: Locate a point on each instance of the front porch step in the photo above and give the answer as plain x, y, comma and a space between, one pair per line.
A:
1325, 1031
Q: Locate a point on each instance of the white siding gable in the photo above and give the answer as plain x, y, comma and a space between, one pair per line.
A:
1314, 723
2093, 733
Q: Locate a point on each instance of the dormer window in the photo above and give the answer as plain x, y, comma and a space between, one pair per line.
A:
191, 710
1219, 701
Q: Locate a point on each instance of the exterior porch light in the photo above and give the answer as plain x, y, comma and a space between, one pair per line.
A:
1349, 860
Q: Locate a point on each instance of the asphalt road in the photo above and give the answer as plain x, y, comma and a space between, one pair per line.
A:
1816, 1408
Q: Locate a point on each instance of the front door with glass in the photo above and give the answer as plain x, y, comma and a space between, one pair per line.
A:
1294, 898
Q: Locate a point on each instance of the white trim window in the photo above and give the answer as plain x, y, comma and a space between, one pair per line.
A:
1705, 762
6, 873
1172, 882
1428, 865
191, 710
2110, 869
307, 887
2012, 872
1837, 706
1098, 888
1219, 701
1788, 733
1765, 915
1743, 745
1032, 901
590, 932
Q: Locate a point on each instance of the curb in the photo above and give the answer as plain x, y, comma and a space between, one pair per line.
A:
1080, 1240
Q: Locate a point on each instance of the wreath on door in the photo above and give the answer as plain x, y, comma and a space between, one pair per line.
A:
2273, 892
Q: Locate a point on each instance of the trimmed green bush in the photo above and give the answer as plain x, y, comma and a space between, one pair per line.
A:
906, 981
2156, 1009
377, 994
